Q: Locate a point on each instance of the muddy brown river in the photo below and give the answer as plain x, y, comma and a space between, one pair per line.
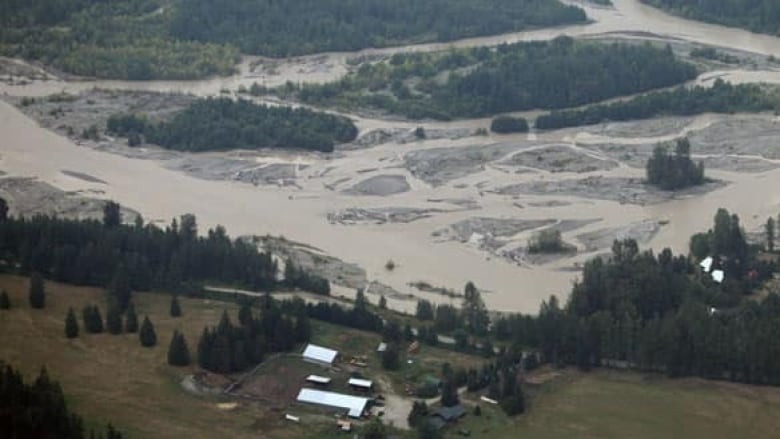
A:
472, 220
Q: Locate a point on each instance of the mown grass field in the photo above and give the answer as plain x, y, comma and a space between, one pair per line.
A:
610, 404
112, 378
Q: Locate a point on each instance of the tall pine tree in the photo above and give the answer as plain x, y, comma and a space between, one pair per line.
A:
131, 319
119, 290
114, 319
37, 293
175, 310
5, 301
147, 335
71, 324
178, 352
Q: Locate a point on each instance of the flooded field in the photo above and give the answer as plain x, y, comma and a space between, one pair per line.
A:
453, 207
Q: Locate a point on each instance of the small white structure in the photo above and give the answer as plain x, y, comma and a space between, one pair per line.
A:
319, 355
290, 417
382, 347
361, 383
488, 400
718, 276
706, 264
354, 405
316, 379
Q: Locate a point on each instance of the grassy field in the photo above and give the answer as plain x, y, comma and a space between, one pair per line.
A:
607, 404
112, 378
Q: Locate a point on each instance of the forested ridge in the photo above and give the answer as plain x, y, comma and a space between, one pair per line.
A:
756, 15
222, 123
187, 39
478, 82
722, 97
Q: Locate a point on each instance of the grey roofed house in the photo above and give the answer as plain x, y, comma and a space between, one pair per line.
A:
437, 422
449, 414
354, 405
319, 354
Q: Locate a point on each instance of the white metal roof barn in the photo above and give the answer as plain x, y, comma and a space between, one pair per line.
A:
354, 405
319, 354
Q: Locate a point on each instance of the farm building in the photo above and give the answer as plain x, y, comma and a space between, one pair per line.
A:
319, 355
320, 380
354, 405
361, 384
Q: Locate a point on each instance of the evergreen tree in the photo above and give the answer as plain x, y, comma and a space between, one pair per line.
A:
112, 215
146, 335
178, 352
71, 324
175, 308
382, 302
119, 290
131, 319
419, 413
374, 429
245, 314
474, 310
113, 319
3, 210
770, 234
449, 393
390, 357
93, 321
424, 310
5, 301
37, 294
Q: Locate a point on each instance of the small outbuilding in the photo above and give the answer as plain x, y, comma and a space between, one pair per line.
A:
361, 384
319, 380
382, 347
319, 355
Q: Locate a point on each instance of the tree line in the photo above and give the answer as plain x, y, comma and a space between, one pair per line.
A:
136, 257
674, 171
213, 124
39, 410
722, 97
512, 77
756, 15
271, 28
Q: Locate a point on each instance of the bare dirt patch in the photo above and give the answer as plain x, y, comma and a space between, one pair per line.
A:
28, 197
381, 186
642, 232
559, 158
620, 189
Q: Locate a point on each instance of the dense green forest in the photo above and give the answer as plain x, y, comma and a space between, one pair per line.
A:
178, 39
137, 257
756, 15
722, 97
481, 81
674, 171
122, 39
39, 410
274, 28
222, 123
